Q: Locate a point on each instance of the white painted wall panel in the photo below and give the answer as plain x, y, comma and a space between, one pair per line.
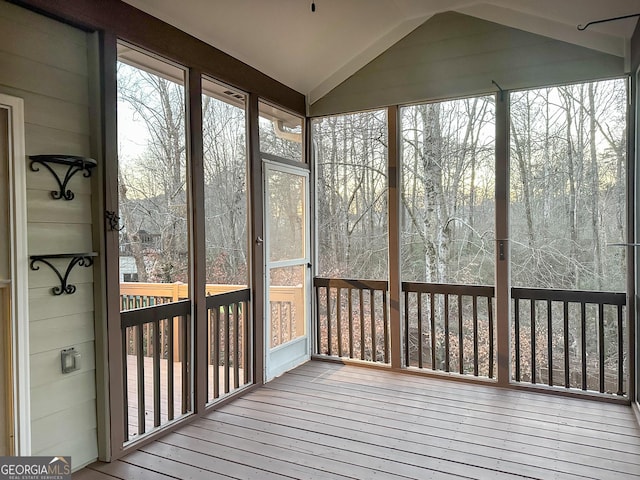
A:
51, 333
44, 62
453, 55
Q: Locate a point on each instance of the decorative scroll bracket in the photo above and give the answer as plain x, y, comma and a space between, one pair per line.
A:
75, 164
113, 221
82, 259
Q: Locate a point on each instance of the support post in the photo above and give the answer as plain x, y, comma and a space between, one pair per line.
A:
197, 287
257, 231
503, 281
393, 202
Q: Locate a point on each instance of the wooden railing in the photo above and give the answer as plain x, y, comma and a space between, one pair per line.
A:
354, 328
229, 342
137, 295
287, 313
168, 383
157, 345
285, 303
561, 338
449, 328
134, 295
583, 331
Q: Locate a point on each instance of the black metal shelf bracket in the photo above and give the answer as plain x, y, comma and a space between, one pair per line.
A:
113, 221
82, 259
75, 164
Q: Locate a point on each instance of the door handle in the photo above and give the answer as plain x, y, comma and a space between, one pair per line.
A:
259, 240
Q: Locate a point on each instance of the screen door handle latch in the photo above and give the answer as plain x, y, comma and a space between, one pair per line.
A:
259, 240
501, 249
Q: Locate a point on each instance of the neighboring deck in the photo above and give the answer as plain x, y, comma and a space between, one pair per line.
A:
325, 421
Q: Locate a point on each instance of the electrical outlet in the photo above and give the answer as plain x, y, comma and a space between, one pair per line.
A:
70, 360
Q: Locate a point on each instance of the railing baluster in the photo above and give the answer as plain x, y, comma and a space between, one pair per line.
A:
460, 337
419, 330
216, 352
550, 342
147, 338
446, 333
162, 341
406, 329
225, 310
329, 339
236, 346
246, 342
156, 373
474, 300
601, 345
170, 368
318, 324
140, 364
291, 321
432, 325
516, 338
185, 354
565, 310
126, 332
491, 336
533, 341
620, 353
339, 319
583, 343
372, 306
350, 313
385, 323
280, 327
211, 356
361, 292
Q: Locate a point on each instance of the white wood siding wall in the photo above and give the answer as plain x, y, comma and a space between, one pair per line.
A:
5, 274
454, 55
45, 63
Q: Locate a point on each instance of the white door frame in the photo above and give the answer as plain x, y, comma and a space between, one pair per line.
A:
19, 276
302, 344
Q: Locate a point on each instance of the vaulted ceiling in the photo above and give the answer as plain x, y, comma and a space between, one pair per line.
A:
313, 52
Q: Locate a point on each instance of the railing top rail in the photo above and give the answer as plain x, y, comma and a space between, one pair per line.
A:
453, 289
351, 283
140, 316
222, 299
575, 296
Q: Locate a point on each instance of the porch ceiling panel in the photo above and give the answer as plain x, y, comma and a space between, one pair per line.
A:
313, 52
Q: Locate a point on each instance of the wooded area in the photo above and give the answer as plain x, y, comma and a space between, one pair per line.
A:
351, 203
567, 197
568, 174
567, 209
152, 180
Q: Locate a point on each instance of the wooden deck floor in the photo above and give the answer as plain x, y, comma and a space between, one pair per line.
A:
328, 421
